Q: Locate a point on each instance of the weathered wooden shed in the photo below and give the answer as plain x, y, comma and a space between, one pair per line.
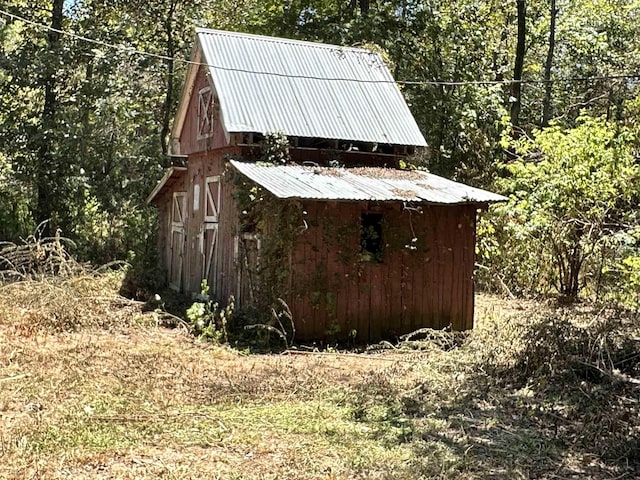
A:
354, 244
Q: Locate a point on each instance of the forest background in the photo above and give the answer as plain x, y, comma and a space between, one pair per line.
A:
535, 100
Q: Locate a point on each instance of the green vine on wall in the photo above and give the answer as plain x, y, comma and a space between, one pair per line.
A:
275, 149
276, 222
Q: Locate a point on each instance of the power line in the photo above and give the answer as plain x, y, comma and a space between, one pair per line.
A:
87, 39
444, 83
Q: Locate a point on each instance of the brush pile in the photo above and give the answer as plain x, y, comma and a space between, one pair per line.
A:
581, 375
37, 257
43, 286
557, 388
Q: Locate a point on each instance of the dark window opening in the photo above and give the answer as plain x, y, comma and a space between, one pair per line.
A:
309, 142
371, 246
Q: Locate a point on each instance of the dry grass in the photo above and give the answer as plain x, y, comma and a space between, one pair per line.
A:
91, 388
536, 391
143, 403
67, 304
37, 256
43, 287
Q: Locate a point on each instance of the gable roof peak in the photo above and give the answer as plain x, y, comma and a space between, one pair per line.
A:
301, 88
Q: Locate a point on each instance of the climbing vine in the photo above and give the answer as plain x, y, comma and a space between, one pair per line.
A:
275, 222
275, 149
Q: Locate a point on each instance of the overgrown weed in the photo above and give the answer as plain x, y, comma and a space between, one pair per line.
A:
556, 387
38, 257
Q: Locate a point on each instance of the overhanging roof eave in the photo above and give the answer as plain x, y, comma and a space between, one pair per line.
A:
171, 172
362, 184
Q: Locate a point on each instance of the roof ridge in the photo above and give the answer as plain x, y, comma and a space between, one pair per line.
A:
267, 38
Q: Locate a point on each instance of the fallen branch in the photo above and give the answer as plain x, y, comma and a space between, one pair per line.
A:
339, 354
15, 377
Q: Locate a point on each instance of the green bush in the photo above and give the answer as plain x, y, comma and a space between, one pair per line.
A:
15, 205
573, 194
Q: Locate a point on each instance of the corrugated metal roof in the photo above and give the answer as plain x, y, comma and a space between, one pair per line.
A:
306, 89
365, 183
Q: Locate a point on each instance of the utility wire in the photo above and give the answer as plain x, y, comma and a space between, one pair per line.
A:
444, 83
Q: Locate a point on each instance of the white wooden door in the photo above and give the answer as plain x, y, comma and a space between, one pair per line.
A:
212, 194
210, 247
210, 232
178, 239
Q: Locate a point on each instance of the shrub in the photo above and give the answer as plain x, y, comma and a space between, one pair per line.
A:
207, 319
570, 192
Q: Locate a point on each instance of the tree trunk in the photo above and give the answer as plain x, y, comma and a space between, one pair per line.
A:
45, 168
168, 99
546, 102
364, 6
516, 87
498, 59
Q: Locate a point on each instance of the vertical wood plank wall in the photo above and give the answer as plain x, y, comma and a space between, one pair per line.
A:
202, 165
336, 293
223, 279
205, 158
164, 202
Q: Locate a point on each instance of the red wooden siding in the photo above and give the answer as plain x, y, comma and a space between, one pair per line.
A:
170, 242
199, 232
201, 226
344, 157
335, 292
208, 236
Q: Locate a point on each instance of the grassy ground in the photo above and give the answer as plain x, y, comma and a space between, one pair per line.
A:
92, 388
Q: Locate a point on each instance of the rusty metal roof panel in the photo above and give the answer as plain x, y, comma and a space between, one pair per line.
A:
362, 184
306, 89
